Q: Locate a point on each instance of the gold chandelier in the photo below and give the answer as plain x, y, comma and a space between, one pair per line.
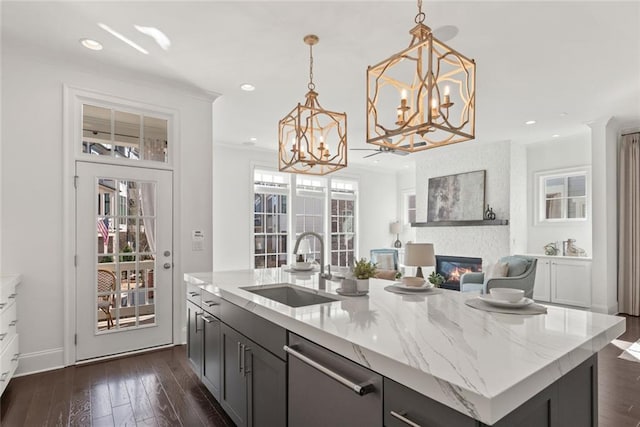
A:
422, 97
312, 140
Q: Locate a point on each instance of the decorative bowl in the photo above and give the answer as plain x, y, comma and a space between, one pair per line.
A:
413, 281
507, 294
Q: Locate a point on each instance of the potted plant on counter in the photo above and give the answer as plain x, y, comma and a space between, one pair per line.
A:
436, 279
363, 270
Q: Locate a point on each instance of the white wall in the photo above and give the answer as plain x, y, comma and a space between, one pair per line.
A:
233, 204
518, 215
32, 178
488, 242
560, 153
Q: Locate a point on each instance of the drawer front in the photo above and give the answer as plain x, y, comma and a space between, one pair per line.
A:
194, 294
9, 362
321, 389
403, 406
8, 320
211, 303
7, 295
267, 334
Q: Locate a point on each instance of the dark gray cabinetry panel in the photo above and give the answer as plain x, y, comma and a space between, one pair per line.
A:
212, 357
267, 381
403, 406
194, 337
253, 382
234, 382
317, 399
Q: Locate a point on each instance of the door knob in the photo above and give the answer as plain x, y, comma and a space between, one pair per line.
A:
167, 265
167, 253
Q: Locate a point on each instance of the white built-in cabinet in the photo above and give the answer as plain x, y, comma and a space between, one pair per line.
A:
563, 280
9, 352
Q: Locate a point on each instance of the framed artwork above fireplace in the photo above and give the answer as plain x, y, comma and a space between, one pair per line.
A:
457, 197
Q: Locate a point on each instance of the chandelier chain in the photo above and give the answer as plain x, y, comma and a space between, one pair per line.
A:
311, 85
420, 17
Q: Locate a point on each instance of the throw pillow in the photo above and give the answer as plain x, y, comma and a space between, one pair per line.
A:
517, 265
499, 269
386, 274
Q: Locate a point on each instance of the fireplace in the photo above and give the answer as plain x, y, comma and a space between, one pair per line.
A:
453, 267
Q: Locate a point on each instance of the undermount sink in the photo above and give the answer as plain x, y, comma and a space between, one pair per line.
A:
290, 295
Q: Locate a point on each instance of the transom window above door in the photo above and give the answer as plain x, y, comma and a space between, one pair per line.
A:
123, 134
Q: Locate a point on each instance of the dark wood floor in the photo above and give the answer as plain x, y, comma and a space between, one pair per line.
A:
152, 389
159, 389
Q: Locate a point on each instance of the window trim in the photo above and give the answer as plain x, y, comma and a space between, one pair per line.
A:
540, 196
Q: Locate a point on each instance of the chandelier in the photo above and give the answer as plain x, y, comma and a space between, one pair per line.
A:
312, 140
422, 97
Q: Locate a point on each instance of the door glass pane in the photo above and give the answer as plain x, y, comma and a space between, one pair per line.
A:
155, 139
109, 132
96, 130
128, 260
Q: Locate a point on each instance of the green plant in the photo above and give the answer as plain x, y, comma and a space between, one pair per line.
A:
364, 269
436, 279
398, 275
127, 249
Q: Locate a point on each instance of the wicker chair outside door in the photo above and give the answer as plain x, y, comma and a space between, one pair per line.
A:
106, 283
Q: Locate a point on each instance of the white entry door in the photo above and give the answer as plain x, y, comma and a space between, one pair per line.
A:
124, 259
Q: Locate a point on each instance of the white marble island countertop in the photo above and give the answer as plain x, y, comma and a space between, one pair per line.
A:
481, 364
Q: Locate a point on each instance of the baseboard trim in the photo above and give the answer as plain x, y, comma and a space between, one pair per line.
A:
40, 361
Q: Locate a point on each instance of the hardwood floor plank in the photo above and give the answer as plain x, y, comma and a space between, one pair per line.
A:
123, 416
100, 400
106, 421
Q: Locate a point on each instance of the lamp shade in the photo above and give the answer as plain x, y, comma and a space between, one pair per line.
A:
396, 227
419, 255
304, 247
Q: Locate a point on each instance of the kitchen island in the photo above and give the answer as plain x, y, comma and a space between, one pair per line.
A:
483, 365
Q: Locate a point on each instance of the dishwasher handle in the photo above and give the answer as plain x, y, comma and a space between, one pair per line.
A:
360, 390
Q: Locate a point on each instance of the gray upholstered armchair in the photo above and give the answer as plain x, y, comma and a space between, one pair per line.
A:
520, 275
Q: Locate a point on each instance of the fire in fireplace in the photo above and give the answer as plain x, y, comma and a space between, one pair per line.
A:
453, 267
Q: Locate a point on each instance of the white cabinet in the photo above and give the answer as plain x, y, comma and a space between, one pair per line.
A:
563, 280
9, 352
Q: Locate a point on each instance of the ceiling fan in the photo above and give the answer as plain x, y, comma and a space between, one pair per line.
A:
380, 150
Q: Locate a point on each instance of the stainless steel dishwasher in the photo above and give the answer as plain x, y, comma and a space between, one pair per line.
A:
326, 389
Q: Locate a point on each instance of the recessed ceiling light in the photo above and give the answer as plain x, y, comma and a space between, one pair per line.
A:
376, 161
91, 44
530, 122
555, 135
119, 36
248, 87
160, 37
253, 139
563, 114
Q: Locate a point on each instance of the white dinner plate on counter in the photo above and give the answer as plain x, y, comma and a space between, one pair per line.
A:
506, 304
425, 287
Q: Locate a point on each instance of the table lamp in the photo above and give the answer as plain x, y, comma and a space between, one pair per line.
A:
419, 255
396, 228
303, 250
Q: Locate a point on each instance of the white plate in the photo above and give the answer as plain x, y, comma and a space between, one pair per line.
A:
502, 303
351, 294
293, 267
424, 287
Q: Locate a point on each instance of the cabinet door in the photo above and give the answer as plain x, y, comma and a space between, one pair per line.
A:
542, 285
234, 381
571, 282
212, 364
267, 382
194, 337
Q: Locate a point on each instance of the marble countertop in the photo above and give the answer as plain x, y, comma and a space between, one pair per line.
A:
481, 364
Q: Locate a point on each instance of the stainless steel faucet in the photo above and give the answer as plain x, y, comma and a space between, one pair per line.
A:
322, 285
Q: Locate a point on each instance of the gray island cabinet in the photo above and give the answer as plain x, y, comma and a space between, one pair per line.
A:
388, 359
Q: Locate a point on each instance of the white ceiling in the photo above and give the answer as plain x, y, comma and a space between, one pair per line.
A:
535, 60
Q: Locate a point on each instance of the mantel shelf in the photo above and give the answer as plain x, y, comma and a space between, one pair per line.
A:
471, 223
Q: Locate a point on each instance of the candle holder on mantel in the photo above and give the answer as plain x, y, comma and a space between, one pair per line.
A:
489, 214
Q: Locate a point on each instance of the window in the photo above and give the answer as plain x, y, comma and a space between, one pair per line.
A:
343, 207
270, 219
563, 195
114, 133
324, 206
310, 210
409, 207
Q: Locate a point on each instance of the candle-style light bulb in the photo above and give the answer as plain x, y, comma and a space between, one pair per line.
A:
446, 90
403, 95
447, 99
434, 108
